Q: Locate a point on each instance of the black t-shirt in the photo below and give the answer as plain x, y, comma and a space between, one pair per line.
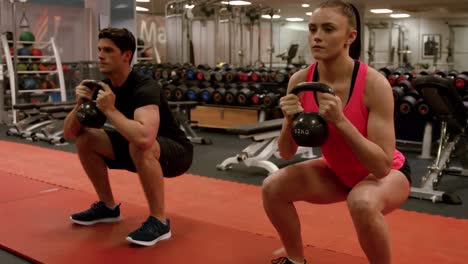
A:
140, 90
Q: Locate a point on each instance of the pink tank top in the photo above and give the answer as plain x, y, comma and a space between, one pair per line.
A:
336, 152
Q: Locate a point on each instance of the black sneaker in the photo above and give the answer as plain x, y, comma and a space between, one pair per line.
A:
98, 213
283, 260
150, 232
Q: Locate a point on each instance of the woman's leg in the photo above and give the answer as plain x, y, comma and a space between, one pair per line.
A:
368, 202
309, 181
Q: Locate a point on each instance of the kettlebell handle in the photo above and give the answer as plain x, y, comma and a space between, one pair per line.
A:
312, 86
93, 85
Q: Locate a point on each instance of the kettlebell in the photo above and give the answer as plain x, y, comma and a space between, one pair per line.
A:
309, 128
88, 114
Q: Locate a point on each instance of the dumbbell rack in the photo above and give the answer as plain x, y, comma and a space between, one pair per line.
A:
13, 77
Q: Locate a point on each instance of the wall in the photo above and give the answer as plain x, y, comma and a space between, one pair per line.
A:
211, 49
287, 33
416, 28
63, 23
152, 30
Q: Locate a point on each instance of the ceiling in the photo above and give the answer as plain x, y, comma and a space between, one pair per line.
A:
292, 8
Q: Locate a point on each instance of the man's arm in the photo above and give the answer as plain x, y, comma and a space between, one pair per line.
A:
142, 130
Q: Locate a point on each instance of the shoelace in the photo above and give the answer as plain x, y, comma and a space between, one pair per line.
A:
95, 206
148, 225
282, 260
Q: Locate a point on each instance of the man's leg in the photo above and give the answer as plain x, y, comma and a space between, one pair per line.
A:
93, 145
368, 202
151, 177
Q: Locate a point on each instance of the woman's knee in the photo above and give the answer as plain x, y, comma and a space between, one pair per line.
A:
271, 187
361, 204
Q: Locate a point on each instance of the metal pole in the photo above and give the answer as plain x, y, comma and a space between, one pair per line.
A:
259, 40
390, 50
15, 53
230, 38
216, 36
271, 41
251, 43
241, 32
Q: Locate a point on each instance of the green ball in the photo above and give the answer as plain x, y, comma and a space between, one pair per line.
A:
27, 36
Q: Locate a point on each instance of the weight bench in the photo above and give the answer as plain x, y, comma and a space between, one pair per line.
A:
448, 107
265, 145
53, 132
181, 111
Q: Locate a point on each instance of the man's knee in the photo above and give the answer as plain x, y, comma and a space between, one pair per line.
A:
87, 139
139, 155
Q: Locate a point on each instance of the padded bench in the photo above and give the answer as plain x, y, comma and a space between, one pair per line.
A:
448, 107
181, 111
265, 145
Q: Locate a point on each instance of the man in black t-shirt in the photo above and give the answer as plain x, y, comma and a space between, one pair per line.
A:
145, 138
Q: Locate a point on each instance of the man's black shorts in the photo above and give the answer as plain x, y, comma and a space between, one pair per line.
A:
176, 158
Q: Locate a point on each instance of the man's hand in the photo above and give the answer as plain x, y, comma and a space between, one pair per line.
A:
105, 100
83, 92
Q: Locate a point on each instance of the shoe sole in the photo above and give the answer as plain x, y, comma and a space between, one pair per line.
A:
103, 220
150, 243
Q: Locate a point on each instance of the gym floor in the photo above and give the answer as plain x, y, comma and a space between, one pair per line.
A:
226, 145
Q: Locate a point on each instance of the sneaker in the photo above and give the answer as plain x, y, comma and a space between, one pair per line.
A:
283, 260
98, 213
150, 232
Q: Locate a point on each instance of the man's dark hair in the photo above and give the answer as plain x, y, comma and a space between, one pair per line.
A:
121, 37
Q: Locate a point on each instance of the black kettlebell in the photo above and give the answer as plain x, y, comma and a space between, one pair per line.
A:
309, 128
88, 114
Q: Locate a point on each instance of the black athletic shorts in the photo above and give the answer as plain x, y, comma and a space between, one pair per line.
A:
175, 159
406, 170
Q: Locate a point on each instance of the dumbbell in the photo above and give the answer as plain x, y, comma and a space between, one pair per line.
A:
180, 92
271, 98
243, 76
281, 76
423, 109
398, 93
385, 72
461, 83
193, 93
244, 96
409, 102
206, 95
169, 91
231, 94
219, 95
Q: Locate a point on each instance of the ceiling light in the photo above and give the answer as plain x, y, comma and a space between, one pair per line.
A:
305, 5
269, 17
308, 13
294, 19
225, 2
399, 15
139, 8
381, 11
187, 6
239, 3
143, 1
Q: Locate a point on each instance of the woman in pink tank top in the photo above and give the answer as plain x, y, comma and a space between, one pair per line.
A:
359, 164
